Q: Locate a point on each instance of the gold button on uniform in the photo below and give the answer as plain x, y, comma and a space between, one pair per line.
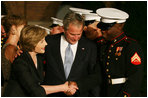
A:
108, 57
107, 63
112, 45
110, 51
116, 58
107, 70
125, 95
108, 76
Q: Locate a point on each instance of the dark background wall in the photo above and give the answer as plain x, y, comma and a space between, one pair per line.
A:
136, 25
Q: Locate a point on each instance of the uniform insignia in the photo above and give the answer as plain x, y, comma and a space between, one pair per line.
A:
119, 54
135, 59
118, 51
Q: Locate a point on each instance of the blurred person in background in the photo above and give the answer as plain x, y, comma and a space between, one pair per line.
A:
12, 25
57, 26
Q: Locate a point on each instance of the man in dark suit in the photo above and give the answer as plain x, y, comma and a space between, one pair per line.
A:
82, 70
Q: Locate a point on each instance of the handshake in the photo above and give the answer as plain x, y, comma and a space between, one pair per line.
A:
70, 88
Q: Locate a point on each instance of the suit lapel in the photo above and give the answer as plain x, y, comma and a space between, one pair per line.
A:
80, 54
56, 50
32, 65
40, 67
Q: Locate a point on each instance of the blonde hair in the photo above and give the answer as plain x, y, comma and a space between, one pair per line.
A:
30, 36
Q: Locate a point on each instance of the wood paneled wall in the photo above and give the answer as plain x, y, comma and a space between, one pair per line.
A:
33, 10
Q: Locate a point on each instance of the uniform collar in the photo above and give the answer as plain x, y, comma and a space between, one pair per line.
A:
118, 38
115, 40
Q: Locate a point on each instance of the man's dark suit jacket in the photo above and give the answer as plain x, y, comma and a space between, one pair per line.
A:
25, 79
81, 71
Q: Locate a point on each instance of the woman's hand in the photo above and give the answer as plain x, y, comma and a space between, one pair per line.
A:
72, 88
65, 86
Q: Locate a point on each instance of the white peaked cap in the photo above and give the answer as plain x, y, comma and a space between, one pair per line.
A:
47, 30
57, 21
80, 11
91, 16
111, 15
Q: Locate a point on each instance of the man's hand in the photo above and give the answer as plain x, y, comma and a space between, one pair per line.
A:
72, 88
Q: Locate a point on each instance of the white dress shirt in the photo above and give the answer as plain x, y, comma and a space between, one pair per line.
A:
63, 46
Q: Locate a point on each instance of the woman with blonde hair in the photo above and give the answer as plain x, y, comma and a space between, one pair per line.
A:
27, 69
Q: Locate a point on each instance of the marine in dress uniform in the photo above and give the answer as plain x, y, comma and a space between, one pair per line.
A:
120, 56
47, 29
80, 10
3, 38
90, 28
3, 34
57, 26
